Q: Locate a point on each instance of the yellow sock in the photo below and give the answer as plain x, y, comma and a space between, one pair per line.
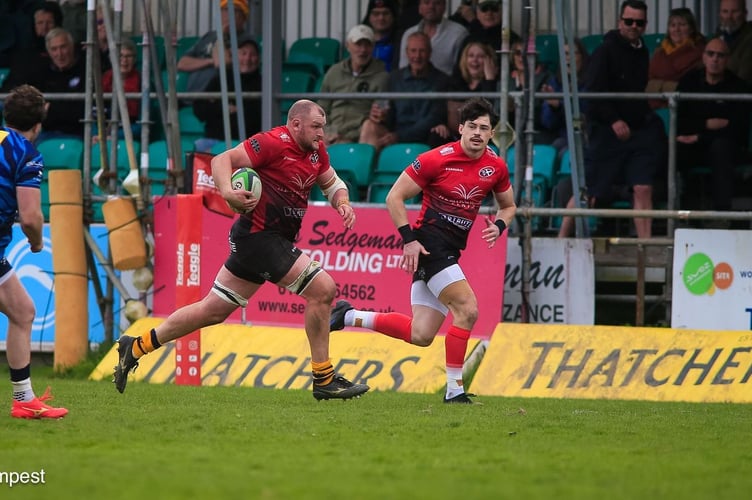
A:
323, 372
145, 344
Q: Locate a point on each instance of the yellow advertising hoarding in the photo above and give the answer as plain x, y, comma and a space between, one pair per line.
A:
607, 362
275, 357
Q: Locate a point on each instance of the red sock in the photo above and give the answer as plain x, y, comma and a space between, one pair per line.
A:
455, 344
395, 325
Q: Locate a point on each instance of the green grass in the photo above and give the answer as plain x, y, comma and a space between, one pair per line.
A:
164, 442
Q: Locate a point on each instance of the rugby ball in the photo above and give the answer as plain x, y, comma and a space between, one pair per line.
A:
246, 179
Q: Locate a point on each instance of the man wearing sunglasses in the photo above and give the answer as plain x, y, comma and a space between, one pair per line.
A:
712, 133
627, 139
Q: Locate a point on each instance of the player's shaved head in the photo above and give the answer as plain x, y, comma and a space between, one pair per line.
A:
303, 109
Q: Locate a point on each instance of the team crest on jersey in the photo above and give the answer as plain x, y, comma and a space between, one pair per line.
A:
255, 145
416, 165
314, 158
486, 172
446, 150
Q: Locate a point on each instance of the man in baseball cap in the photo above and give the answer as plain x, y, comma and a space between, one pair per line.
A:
358, 73
360, 32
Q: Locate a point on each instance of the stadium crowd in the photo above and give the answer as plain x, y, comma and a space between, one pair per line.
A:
419, 46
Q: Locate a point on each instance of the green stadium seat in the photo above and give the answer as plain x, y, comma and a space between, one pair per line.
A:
190, 126
391, 162
62, 153
4, 72
294, 81
159, 45
548, 50
653, 41
181, 80
354, 159
591, 42
320, 52
184, 44
220, 147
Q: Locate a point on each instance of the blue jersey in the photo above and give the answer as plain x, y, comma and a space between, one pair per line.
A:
20, 165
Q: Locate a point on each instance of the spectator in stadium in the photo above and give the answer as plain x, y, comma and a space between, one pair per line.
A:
102, 41
553, 120
21, 170
199, 60
518, 81
432, 247
358, 73
210, 110
679, 52
736, 31
381, 17
627, 141
446, 36
74, 18
262, 244
408, 120
131, 79
28, 60
465, 13
476, 72
65, 74
712, 133
487, 25
552, 110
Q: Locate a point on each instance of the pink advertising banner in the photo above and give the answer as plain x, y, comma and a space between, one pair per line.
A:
363, 261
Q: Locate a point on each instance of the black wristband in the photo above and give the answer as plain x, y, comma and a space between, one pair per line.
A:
406, 232
501, 225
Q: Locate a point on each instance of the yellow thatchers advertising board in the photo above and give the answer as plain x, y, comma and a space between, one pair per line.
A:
594, 362
262, 356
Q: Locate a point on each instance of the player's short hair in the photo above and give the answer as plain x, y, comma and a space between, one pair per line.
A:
476, 107
24, 107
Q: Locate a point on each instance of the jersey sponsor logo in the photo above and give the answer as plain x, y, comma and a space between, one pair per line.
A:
255, 145
459, 222
416, 165
453, 169
486, 171
446, 150
284, 137
295, 213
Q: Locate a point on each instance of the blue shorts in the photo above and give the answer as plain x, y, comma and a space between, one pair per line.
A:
5, 268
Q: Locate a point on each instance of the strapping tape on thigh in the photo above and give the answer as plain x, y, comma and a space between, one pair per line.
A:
228, 295
301, 282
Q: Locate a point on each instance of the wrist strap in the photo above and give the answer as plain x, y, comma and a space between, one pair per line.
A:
406, 233
501, 225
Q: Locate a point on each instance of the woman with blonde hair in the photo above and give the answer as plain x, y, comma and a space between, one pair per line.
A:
680, 51
476, 71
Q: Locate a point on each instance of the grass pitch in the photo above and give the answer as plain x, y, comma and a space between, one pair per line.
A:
165, 442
